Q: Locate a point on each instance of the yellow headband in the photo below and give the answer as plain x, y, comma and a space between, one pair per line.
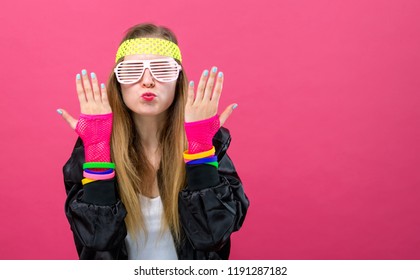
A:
148, 46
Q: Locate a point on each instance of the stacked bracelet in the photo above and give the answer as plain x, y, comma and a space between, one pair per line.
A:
202, 160
99, 176
87, 165
206, 157
87, 181
93, 175
208, 153
99, 172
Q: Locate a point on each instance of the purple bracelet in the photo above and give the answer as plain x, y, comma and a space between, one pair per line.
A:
99, 176
203, 160
99, 172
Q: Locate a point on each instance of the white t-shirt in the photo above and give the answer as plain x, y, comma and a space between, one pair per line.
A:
157, 246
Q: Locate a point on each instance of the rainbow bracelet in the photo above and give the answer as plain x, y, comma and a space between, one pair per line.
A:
99, 172
208, 153
214, 163
99, 176
87, 165
203, 160
87, 181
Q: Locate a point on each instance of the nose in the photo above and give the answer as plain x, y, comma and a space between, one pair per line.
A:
147, 80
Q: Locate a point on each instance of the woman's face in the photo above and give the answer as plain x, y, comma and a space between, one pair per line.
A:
148, 97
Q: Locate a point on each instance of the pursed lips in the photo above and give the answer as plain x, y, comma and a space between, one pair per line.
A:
148, 94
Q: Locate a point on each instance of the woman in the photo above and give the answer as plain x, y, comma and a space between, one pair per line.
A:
170, 190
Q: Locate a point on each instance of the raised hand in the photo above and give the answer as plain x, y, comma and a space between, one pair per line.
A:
204, 104
93, 100
94, 125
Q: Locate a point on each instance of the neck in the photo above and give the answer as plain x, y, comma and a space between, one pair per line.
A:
148, 128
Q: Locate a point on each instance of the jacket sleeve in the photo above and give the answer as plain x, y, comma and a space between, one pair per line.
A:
95, 213
213, 205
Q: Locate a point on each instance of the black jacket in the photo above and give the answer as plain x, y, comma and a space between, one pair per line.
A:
211, 207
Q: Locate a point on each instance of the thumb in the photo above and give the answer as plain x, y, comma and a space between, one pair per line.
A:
227, 112
68, 118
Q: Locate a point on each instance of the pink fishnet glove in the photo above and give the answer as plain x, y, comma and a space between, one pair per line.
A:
200, 134
95, 131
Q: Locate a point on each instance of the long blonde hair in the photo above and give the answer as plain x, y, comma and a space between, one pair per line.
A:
135, 173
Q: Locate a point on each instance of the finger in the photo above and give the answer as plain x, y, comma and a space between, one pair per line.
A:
218, 89
95, 87
80, 92
210, 84
190, 93
226, 113
68, 118
201, 86
87, 87
105, 102
104, 94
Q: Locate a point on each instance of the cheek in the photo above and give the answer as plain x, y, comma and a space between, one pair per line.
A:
171, 91
127, 96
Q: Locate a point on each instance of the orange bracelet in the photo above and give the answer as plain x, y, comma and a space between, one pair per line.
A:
208, 153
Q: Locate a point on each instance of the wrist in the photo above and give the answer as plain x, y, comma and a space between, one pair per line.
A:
98, 152
200, 134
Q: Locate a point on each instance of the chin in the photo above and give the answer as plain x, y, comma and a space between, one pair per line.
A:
148, 113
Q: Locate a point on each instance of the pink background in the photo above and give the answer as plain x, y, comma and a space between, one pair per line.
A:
325, 138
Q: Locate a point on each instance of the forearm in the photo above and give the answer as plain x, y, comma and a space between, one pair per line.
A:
94, 211
97, 222
213, 205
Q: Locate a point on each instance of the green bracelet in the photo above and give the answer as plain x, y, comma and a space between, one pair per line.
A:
88, 165
214, 163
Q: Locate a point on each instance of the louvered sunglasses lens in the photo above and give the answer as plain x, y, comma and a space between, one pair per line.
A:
129, 72
164, 70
